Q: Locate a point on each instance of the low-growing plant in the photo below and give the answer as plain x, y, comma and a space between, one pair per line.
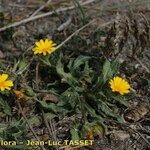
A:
91, 91
88, 91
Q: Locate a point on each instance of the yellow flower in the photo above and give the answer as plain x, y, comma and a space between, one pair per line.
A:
44, 47
119, 85
4, 83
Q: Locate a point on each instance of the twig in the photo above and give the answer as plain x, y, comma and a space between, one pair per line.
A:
32, 130
53, 132
45, 91
50, 128
37, 75
46, 123
134, 130
42, 7
77, 31
53, 129
64, 25
142, 136
21, 6
141, 63
132, 144
42, 15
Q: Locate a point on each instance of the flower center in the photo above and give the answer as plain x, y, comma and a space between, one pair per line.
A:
119, 88
45, 49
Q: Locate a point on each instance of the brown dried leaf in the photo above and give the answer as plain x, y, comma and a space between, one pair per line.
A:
90, 135
21, 96
136, 113
120, 135
50, 98
44, 137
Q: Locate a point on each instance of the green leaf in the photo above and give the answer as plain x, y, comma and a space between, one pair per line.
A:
81, 10
121, 100
87, 73
5, 107
104, 108
50, 107
50, 116
74, 131
66, 76
79, 67
16, 129
106, 70
35, 121
17, 134
21, 66
79, 61
29, 91
109, 69
45, 60
69, 97
92, 112
114, 67
3, 127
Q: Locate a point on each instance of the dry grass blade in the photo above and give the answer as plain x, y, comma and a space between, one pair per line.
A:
32, 130
130, 33
80, 29
42, 7
143, 65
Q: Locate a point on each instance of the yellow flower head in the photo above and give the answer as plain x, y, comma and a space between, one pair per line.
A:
44, 47
119, 85
4, 83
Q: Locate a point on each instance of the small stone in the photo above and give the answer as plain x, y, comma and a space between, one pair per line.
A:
137, 66
121, 60
122, 135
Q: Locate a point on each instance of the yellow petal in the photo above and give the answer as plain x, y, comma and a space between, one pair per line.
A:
8, 88
42, 42
47, 41
8, 83
44, 53
37, 44
3, 77
2, 89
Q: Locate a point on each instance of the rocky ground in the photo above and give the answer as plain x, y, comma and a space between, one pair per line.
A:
131, 48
